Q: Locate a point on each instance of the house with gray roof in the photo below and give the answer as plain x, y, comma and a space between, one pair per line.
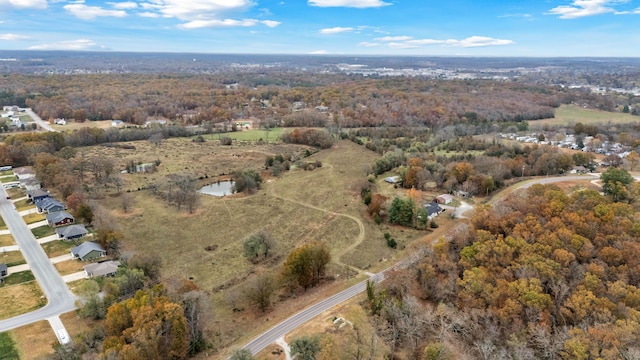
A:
88, 251
71, 232
49, 205
433, 209
60, 218
37, 194
105, 268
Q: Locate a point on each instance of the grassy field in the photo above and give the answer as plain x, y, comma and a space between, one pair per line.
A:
71, 126
12, 258
21, 298
569, 115
43, 231
69, 266
35, 341
8, 349
34, 218
272, 135
6, 240
18, 278
6, 179
57, 248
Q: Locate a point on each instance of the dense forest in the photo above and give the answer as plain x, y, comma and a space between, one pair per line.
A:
541, 275
286, 99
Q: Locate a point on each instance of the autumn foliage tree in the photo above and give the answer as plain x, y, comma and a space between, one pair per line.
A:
147, 326
305, 266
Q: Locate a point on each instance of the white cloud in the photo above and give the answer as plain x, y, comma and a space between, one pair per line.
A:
393, 38
85, 12
361, 4
23, 4
318, 52
189, 10
13, 37
197, 24
369, 44
124, 5
270, 23
149, 14
581, 8
336, 30
80, 44
473, 41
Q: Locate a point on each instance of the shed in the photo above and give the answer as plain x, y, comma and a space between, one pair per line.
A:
393, 179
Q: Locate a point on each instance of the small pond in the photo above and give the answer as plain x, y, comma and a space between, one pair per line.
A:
222, 188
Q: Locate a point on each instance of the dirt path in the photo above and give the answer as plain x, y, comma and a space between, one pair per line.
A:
331, 214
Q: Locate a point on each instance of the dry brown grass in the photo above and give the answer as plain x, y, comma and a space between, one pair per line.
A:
6, 240
69, 267
71, 125
11, 257
19, 299
33, 218
35, 341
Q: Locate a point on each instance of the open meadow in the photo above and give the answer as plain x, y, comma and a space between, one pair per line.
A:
206, 246
569, 115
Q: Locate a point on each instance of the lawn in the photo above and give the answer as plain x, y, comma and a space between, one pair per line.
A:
20, 299
72, 126
18, 278
57, 248
69, 266
34, 341
8, 349
569, 115
6, 240
34, 218
6, 172
15, 193
43, 231
12, 258
23, 204
3, 226
7, 179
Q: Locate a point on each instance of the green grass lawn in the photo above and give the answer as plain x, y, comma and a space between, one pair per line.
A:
57, 248
6, 172
7, 179
572, 114
15, 193
43, 231
8, 350
23, 204
18, 278
12, 258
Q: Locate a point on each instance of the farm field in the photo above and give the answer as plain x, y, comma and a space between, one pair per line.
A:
569, 115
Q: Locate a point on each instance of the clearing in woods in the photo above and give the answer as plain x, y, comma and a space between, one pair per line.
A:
206, 247
569, 115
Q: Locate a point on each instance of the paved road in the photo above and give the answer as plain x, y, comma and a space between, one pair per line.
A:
43, 124
60, 299
286, 326
307, 314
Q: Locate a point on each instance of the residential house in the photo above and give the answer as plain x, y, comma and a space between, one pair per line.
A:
88, 251
444, 199
60, 121
60, 218
152, 122
433, 209
71, 232
37, 195
4, 271
49, 205
25, 172
105, 268
579, 170
30, 184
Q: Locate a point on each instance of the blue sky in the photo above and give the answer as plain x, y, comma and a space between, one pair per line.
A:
336, 27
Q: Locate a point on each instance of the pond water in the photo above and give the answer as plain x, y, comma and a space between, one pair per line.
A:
223, 188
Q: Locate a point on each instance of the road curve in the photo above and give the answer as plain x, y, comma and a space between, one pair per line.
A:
60, 299
43, 124
286, 326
